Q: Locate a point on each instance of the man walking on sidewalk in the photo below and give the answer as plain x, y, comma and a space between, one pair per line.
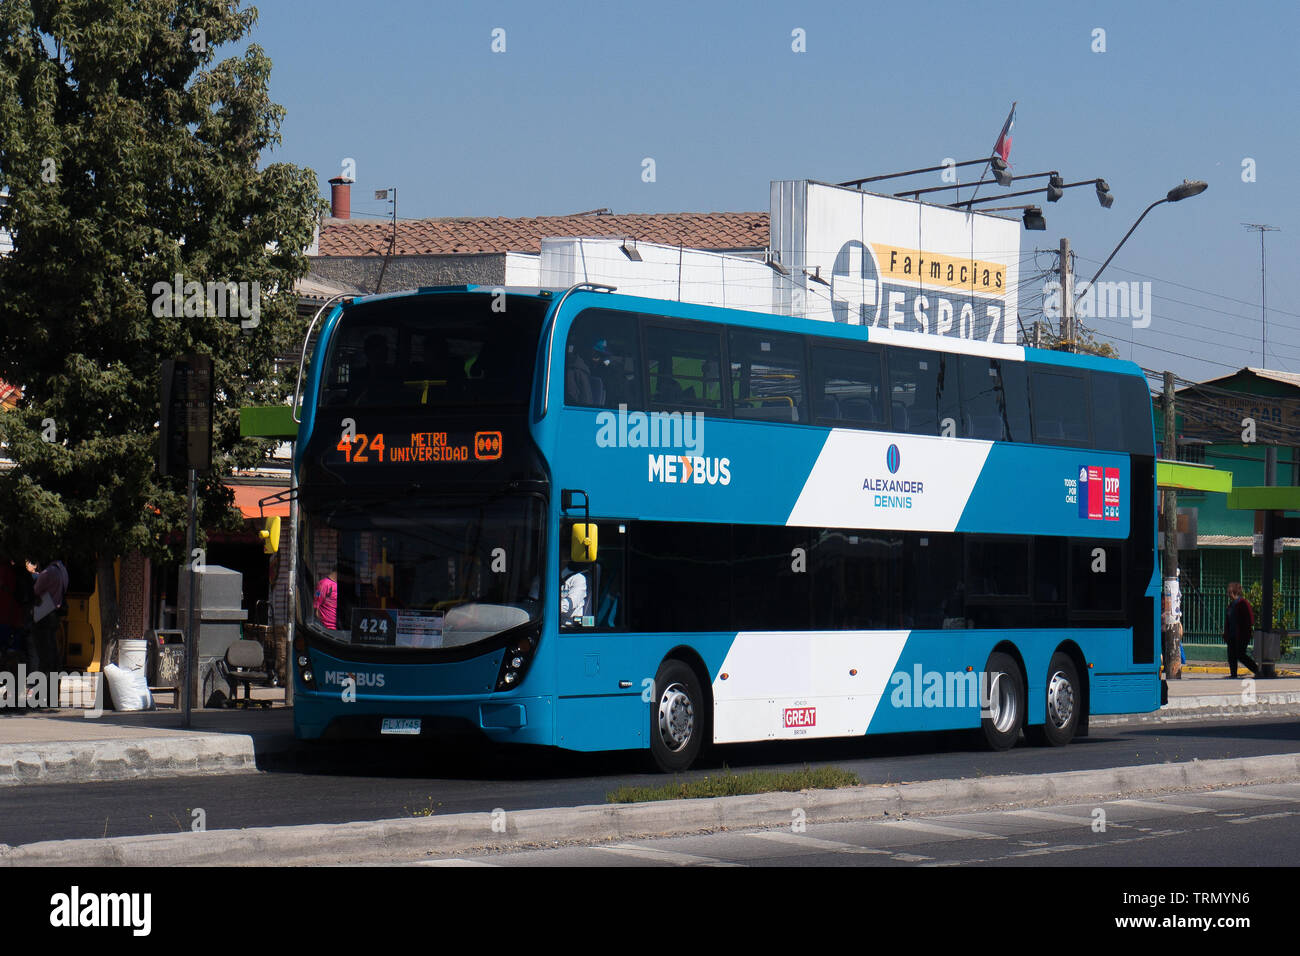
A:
1238, 628
43, 641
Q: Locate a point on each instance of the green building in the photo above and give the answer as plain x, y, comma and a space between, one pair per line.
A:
1227, 423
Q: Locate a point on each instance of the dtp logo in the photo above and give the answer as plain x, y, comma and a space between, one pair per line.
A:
487, 446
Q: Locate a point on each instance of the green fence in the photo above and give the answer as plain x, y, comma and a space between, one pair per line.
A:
1203, 580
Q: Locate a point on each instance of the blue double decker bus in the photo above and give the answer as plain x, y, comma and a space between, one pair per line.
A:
600, 522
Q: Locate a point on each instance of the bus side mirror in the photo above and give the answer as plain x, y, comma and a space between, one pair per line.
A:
270, 535
585, 539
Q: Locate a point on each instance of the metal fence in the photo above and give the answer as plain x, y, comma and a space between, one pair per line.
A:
1203, 580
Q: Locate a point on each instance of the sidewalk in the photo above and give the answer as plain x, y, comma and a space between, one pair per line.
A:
62, 746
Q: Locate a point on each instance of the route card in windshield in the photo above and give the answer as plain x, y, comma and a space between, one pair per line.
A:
381, 627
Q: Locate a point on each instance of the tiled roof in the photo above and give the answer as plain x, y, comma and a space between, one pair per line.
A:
1273, 375
431, 237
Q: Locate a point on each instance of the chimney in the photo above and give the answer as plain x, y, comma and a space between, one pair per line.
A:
341, 197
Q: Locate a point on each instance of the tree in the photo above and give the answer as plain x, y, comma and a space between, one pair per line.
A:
131, 156
1085, 341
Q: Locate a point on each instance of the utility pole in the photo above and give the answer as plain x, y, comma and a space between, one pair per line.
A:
1169, 636
1264, 619
1067, 299
1261, 228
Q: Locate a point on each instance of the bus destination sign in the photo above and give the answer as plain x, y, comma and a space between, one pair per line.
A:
420, 447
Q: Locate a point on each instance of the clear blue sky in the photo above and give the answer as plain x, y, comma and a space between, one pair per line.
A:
560, 122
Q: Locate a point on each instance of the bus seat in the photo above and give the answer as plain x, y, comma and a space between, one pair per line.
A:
828, 407
858, 410
900, 416
577, 386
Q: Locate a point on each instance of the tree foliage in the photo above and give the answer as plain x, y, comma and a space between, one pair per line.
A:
132, 155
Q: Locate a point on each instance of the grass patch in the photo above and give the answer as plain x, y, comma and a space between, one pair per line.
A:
728, 784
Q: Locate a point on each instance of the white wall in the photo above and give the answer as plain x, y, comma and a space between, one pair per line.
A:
664, 272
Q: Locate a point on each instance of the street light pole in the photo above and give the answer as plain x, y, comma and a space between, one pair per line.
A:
1188, 187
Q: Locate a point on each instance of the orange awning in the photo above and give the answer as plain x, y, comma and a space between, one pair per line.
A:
247, 496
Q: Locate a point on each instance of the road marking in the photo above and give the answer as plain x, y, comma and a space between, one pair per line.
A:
1153, 805
910, 858
1251, 795
1057, 817
458, 862
814, 843
1265, 816
1044, 851
663, 856
942, 830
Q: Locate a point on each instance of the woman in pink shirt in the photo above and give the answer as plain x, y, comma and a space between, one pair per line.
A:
327, 599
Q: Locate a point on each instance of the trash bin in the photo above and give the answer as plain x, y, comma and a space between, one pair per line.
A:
167, 663
1268, 648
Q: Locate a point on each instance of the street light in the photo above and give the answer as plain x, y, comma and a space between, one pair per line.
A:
1188, 187
1032, 218
1054, 188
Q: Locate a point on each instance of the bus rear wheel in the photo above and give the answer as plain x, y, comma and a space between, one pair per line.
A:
1064, 705
1004, 711
676, 717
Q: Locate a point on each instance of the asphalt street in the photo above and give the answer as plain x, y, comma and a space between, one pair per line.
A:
369, 782
1238, 826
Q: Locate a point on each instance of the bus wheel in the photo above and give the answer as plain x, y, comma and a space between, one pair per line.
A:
1064, 704
676, 717
1004, 711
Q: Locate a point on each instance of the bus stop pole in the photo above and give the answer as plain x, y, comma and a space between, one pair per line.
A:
293, 578
191, 632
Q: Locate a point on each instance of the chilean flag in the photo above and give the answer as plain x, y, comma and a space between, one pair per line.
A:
1003, 145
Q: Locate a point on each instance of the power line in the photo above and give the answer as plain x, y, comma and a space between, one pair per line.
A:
1181, 285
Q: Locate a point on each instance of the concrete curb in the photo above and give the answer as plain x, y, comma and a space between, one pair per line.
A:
1277, 704
192, 754
390, 840
86, 761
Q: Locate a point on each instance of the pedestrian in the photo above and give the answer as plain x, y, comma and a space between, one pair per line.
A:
50, 586
1238, 628
326, 600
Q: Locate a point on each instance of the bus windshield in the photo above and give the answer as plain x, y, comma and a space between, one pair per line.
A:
434, 350
420, 574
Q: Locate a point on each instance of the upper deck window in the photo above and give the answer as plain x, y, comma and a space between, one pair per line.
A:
767, 375
684, 369
602, 361
426, 350
923, 391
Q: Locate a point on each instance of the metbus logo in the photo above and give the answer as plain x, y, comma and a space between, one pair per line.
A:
487, 446
681, 469
1098, 493
799, 717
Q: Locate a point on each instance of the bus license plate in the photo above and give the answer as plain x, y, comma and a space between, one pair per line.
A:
400, 725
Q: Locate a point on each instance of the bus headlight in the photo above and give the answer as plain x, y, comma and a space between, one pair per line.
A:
514, 664
305, 672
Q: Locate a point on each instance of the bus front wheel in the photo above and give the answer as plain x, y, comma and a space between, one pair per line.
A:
1063, 704
676, 717
1003, 710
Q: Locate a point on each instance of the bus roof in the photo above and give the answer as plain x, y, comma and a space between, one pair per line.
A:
587, 298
